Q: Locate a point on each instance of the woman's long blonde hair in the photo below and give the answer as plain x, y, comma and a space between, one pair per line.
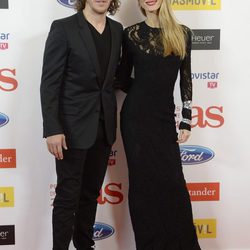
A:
173, 34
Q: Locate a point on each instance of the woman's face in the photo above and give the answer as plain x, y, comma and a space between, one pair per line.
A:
150, 5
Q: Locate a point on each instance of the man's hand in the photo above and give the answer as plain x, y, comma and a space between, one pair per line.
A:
183, 135
55, 144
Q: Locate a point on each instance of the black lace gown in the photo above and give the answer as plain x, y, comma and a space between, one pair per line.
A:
159, 203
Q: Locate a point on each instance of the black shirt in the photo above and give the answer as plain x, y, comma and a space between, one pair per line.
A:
103, 48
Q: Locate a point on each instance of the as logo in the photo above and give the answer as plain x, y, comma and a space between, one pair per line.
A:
4, 119
8, 81
209, 117
111, 194
191, 154
102, 231
67, 3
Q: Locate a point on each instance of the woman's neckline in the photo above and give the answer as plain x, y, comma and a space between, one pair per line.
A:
150, 27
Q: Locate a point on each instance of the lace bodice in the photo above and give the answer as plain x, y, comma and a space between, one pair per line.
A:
147, 40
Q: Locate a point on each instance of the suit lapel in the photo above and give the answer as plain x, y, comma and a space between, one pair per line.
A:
89, 42
113, 49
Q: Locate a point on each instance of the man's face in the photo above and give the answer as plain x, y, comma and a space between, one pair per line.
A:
98, 6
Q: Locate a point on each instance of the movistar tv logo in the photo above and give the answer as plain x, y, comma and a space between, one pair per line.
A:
196, 4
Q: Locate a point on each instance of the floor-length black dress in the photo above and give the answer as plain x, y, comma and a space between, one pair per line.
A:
159, 202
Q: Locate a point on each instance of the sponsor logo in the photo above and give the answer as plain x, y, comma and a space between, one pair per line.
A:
208, 39
212, 85
102, 231
212, 78
7, 81
209, 117
205, 228
111, 194
4, 37
196, 4
4, 119
67, 3
204, 191
191, 155
7, 235
205, 75
4, 4
7, 158
112, 156
6, 197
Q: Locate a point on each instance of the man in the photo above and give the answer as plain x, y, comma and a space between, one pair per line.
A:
79, 114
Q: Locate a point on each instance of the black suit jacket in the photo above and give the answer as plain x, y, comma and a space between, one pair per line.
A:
71, 95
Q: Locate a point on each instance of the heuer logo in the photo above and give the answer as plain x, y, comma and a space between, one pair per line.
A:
4, 37
4, 119
208, 39
191, 155
102, 231
196, 4
4, 4
7, 235
67, 3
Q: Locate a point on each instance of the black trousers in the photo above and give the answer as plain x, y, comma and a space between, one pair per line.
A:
79, 179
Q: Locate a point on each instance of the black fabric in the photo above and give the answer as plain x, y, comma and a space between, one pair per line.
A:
159, 202
71, 96
79, 179
103, 47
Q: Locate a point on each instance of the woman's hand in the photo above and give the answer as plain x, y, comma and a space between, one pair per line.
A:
183, 135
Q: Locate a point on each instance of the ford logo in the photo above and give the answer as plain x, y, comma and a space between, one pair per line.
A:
191, 155
67, 3
4, 119
102, 231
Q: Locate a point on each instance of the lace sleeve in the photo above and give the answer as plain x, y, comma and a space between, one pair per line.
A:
123, 78
186, 84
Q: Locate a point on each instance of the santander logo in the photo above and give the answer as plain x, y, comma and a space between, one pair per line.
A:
192, 155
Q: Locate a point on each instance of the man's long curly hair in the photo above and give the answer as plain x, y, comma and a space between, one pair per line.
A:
114, 6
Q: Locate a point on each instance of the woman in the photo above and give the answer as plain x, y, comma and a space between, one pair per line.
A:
159, 203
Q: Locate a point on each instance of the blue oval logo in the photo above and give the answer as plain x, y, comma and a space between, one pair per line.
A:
102, 231
4, 119
191, 154
67, 3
